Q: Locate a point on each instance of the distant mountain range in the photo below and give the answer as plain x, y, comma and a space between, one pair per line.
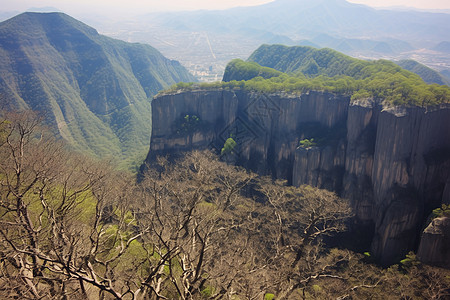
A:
299, 19
201, 39
94, 91
443, 47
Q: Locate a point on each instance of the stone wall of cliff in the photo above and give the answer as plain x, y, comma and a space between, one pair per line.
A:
435, 243
392, 164
411, 166
267, 128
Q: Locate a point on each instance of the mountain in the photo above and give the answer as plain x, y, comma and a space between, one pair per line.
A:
357, 46
327, 62
446, 74
443, 47
338, 18
201, 39
427, 74
392, 162
94, 91
308, 60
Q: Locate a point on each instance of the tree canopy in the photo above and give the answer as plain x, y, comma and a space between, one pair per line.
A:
297, 70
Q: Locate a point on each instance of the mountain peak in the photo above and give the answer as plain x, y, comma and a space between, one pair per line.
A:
48, 21
302, 4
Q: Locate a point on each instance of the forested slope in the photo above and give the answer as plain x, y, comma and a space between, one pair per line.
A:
93, 90
307, 68
427, 74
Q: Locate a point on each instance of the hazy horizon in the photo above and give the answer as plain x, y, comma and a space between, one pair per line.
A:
140, 6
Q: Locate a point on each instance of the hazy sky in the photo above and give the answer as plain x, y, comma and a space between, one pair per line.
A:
425, 4
157, 5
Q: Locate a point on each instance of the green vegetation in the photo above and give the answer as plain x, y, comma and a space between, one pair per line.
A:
208, 292
307, 60
443, 211
343, 74
410, 260
228, 146
307, 143
94, 91
269, 296
193, 86
188, 124
239, 70
305, 68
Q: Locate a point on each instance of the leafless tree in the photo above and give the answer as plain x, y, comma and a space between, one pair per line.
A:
188, 208
54, 238
198, 228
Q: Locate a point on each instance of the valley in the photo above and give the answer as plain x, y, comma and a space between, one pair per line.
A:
197, 58
94, 91
233, 34
192, 49
297, 149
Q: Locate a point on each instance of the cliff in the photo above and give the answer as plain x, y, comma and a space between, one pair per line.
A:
435, 243
267, 128
392, 164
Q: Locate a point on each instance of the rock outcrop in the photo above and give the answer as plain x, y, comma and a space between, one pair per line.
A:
267, 128
392, 164
435, 243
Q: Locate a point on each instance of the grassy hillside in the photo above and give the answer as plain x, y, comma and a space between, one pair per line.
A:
427, 74
93, 90
307, 68
307, 60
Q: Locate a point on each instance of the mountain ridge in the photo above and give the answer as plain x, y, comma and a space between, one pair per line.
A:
306, 17
427, 74
357, 30
89, 86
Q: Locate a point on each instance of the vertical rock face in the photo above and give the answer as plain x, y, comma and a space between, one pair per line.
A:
215, 110
411, 167
435, 243
266, 128
392, 164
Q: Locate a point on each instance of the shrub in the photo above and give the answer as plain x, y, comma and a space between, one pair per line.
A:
443, 211
307, 143
229, 146
188, 124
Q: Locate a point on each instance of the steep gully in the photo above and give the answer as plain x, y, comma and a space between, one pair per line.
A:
393, 164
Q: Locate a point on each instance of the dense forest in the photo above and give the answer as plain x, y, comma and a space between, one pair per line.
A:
278, 68
72, 228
